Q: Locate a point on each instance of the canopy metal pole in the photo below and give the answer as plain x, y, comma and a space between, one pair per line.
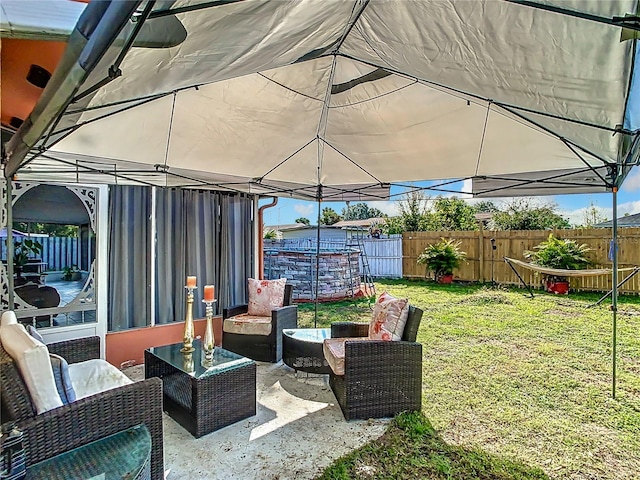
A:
614, 291
10, 249
315, 318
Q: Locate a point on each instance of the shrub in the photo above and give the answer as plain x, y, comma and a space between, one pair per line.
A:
560, 253
442, 257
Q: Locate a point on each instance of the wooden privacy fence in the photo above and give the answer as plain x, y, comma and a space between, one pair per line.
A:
485, 264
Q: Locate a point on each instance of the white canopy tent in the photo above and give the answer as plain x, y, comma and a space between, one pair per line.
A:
280, 97
337, 100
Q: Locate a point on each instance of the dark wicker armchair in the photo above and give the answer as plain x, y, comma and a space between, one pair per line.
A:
87, 419
264, 348
381, 378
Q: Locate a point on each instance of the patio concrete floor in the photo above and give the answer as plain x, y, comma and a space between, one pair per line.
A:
297, 432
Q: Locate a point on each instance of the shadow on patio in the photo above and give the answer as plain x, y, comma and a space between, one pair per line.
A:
297, 432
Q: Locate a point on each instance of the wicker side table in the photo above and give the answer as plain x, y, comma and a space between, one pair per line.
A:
124, 455
203, 396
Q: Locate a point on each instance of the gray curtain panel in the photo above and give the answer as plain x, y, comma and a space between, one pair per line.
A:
202, 233
170, 252
202, 243
206, 234
129, 252
237, 249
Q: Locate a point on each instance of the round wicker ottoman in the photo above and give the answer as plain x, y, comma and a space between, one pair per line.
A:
302, 349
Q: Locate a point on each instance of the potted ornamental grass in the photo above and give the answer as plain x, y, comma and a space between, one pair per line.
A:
561, 254
442, 258
24, 250
71, 273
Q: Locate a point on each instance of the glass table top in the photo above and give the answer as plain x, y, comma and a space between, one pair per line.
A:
195, 363
315, 335
119, 456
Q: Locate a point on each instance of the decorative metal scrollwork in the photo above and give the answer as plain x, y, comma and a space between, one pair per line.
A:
85, 300
88, 198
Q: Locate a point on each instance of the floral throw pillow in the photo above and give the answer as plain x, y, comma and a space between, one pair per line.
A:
389, 318
265, 295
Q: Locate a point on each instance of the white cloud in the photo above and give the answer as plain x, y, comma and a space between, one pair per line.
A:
388, 208
576, 217
304, 210
629, 207
632, 182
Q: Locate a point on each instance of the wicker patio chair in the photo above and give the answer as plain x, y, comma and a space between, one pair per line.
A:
381, 378
91, 418
263, 348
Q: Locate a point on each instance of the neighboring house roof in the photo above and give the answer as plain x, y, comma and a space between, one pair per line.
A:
295, 226
284, 228
484, 216
627, 221
366, 223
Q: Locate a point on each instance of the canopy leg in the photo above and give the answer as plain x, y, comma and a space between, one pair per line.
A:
614, 292
315, 294
10, 245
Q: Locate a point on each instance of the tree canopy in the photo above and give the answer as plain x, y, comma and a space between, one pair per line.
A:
452, 213
360, 211
414, 207
304, 220
51, 229
524, 214
329, 216
419, 212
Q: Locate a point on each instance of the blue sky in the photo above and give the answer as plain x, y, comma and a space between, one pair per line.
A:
571, 207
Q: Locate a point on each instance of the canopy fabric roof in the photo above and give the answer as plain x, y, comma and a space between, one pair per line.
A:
339, 99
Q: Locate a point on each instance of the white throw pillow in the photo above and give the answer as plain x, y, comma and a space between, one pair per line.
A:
32, 359
95, 376
8, 318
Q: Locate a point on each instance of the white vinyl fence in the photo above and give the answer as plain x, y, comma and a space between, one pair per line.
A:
384, 256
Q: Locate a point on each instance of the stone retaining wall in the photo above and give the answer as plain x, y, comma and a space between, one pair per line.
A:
339, 272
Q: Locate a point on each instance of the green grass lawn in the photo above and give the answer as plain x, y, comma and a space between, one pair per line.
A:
513, 387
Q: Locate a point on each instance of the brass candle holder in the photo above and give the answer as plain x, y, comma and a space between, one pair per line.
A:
187, 363
187, 337
208, 343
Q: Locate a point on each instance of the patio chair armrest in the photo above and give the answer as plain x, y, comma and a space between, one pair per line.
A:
97, 416
77, 350
285, 317
234, 310
349, 329
380, 358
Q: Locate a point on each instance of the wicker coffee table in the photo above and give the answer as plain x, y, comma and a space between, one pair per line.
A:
302, 349
199, 396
